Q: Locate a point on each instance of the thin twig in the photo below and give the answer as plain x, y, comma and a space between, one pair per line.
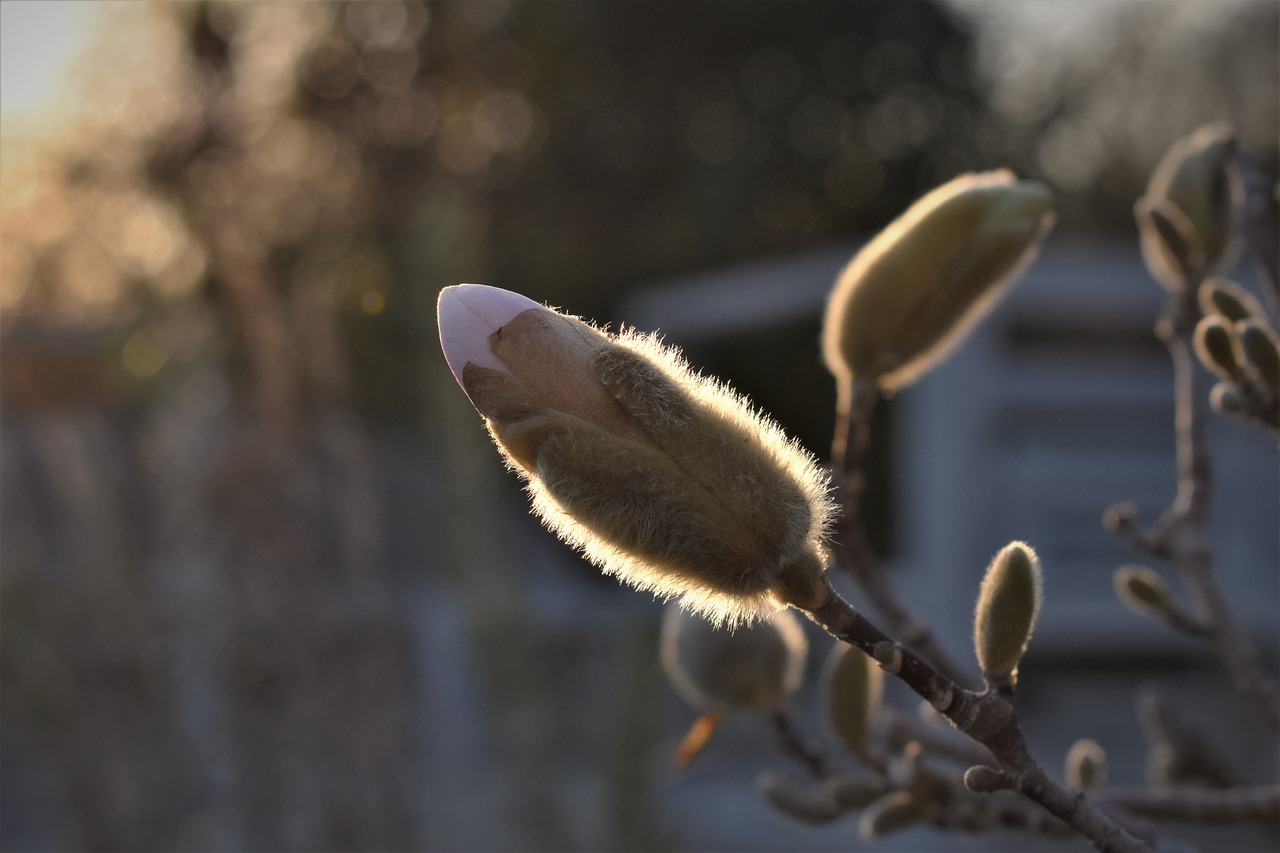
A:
1200, 805
985, 717
1261, 222
806, 751
1180, 534
853, 553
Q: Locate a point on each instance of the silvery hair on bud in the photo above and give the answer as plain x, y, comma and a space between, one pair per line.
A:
717, 507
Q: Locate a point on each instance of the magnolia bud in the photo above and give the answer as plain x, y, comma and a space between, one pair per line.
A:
854, 685
1261, 350
1215, 344
1008, 604
913, 292
1188, 216
849, 793
1142, 590
662, 477
1228, 299
982, 779
889, 814
1226, 398
1086, 765
752, 668
796, 802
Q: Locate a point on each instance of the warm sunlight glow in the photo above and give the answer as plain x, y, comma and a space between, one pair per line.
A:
39, 42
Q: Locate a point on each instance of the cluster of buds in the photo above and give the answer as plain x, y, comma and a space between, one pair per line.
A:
662, 477
1236, 342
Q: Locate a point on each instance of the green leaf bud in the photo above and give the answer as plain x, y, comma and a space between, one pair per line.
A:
1261, 350
1215, 343
912, 293
889, 814
753, 668
853, 689
1086, 765
1226, 398
1142, 590
1008, 604
665, 479
796, 802
1226, 298
1188, 216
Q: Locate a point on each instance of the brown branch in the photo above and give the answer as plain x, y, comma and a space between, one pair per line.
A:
1179, 536
797, 745
903, 729
1261, 222
1199, 805
853, 553
984, 717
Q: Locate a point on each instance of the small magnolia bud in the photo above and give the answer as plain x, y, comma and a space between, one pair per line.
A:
985, 780
1142, 590
889, 814
913, 292
1226, 298
664, 478
854, 686
1261, 351
796, 802
1188, 216
1216, 346
1119, 516
1008, 604
752, 668
1086, 765
849, 793
1226, 398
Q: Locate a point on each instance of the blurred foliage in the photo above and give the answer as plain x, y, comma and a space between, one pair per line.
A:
300, 163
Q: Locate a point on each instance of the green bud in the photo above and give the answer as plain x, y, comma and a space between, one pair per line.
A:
1086, 765
1228, 299
752, 668
1261, 351
913, 292
796, 802
889, 814
1226, 398
854, 686
1141, 589
1215, 343
1008, 604
1188, 217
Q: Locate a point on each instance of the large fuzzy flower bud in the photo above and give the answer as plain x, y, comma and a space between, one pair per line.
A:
662, 477
914, 291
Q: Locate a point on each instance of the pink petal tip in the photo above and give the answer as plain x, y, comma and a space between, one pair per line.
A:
467, 315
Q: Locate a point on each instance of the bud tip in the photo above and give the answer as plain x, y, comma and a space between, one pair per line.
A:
467, 315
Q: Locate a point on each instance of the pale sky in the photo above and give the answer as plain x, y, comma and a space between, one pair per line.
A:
38, 41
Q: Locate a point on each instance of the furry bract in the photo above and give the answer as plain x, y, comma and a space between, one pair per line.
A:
667, 479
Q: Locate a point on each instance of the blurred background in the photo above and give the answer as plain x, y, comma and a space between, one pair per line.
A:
263, 583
